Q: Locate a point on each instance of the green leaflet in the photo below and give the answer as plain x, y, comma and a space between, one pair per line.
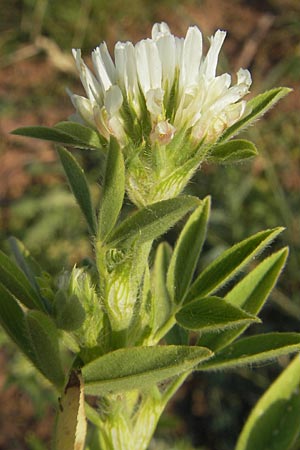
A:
186, 252
12, 320
274, 422
212, 313
79, 186
250, 294
113, 189
254, 288
16, 282
257, 107
152, 221
86, 136
161, 302
229, 263
139, 367
254, 350
25, 261
67, 133
232, 151
39, 279
43, 337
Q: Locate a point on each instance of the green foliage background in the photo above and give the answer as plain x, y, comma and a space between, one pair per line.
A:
245, 198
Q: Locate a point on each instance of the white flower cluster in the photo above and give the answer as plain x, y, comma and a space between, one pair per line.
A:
166, 82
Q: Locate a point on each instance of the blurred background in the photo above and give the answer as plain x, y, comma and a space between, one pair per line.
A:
36, 67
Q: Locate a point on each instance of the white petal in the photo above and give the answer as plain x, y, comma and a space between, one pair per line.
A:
216, 88
113, 100
244, 77
179, 49
101, 119
233, 94
100, 69
167, 53
191, 56
154, 101
117, 129
108, 62
234, 112
125, 65
148, 65
189, 108
211, 60
89, 82
160, 29
84, 108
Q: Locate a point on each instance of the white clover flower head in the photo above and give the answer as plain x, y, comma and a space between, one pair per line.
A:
158, 87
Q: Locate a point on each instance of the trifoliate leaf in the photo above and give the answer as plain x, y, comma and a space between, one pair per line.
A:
229, 263
250, 294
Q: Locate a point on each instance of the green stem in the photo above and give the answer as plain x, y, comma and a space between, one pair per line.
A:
163, 330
